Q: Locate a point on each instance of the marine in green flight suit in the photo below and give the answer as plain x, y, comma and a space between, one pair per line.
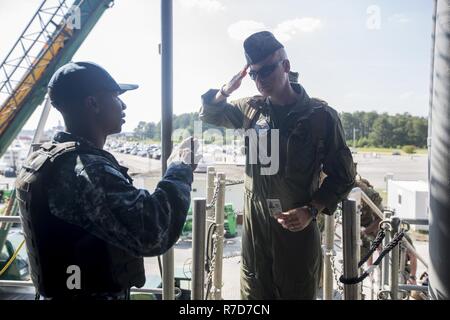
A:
281, 252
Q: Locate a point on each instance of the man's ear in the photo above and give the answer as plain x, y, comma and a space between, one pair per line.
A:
287, 66
92, 104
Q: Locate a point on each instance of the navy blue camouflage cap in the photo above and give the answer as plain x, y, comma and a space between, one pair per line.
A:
77, 80
260, 45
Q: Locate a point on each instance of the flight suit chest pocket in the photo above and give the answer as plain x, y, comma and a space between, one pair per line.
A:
300, 151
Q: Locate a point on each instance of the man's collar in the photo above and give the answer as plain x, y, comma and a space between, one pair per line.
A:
303, 99
66, 137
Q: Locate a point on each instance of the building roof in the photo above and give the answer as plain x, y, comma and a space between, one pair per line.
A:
417, 185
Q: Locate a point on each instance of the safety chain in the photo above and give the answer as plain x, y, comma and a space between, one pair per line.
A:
397, 238
214, 199
210, 257
338, 218
229, 182
375, 244
335, 271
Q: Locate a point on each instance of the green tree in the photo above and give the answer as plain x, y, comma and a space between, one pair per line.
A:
382, 132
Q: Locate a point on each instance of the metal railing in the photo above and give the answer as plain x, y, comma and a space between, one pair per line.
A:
29, 283
198, 248
392, 257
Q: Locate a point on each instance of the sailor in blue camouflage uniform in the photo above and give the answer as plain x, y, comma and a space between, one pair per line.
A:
79, 207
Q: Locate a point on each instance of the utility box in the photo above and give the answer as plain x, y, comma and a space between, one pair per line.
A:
409, 199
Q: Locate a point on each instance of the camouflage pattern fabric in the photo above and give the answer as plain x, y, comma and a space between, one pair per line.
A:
94, 192
367, 215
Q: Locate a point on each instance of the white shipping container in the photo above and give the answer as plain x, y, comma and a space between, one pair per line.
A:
409, 199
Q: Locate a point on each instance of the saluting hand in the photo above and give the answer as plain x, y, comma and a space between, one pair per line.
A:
231, 86
236, 81
295, 219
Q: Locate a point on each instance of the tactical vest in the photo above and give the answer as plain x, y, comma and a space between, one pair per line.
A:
54, 245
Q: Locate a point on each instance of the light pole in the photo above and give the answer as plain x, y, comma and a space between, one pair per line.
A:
354, 137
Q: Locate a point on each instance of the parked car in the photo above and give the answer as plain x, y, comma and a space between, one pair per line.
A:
10, 173
205, 161
156, 154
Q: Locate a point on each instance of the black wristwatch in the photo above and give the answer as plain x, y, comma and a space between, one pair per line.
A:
314, 211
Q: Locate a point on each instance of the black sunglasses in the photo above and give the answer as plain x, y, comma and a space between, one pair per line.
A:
264, 71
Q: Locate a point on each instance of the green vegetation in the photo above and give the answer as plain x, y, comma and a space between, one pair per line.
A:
385, 131
152, 131
373, 132
409, 149
388, 150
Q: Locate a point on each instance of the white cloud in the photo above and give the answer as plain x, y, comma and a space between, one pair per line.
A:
287, 29
242, 29
208, 5
399, 18
284, 31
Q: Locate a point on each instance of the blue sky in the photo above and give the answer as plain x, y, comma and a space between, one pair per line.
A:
355, 54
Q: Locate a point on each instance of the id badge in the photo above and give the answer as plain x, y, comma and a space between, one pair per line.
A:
274, 206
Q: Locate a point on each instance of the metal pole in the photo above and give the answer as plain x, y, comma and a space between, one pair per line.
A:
198, 248
410, 287
211, 174
10, 219
220, 213
29, 283
356, 195
387, 177
414, 252
395, 260
418, 222
430, 100
385, 262
329, 249
351, 292
402, 263
42, 121
358, 245
166, 125
439, 230
16, 283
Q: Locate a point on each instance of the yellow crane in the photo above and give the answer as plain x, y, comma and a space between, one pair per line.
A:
51, 38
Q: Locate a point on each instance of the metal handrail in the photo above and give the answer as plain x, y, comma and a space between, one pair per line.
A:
29, 283
10, 219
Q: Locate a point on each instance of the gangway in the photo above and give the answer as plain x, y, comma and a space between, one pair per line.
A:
51, 38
